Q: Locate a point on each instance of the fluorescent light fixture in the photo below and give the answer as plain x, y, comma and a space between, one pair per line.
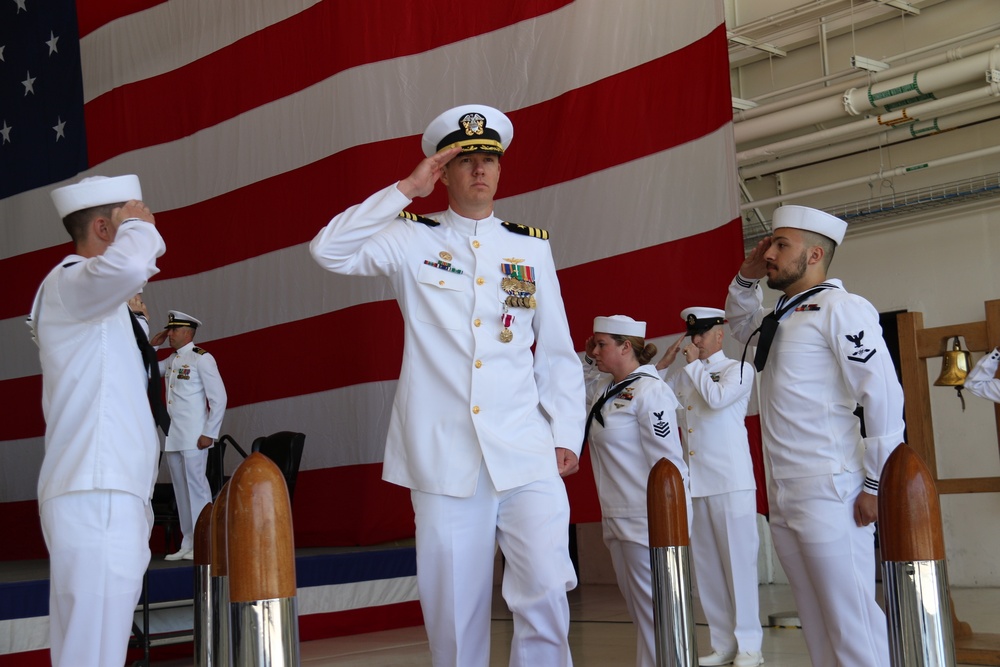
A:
900, 4
860, 62
754, 44
743, 105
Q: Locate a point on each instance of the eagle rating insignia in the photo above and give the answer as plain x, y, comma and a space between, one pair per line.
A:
660, 427
860, 353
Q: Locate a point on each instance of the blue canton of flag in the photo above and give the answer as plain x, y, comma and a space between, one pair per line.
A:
42, 138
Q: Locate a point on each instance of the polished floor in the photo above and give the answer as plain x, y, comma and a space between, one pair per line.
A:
601, 634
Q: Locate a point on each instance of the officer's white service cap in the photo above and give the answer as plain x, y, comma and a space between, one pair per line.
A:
619, 325
96, 191
700, 319
176, 318
474, 127
811, 220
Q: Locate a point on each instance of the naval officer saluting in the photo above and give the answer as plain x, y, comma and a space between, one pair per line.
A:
196, 402
489, 407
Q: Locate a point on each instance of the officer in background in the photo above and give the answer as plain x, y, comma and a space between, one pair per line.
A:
101, 446
489, 408
196, 402
820, 354
714, 392
982, 381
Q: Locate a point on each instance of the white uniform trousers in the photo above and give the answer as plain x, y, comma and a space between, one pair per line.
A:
633, 571
830, 563
456, 541
98, 544
724, 543
191, 490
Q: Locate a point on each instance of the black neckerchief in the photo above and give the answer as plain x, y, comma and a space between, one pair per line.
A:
769, 327
153, 388
609, 393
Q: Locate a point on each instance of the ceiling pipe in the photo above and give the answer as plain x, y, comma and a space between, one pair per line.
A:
856, 101
807, 17
898, 171
967, 99
856, 78
895, 135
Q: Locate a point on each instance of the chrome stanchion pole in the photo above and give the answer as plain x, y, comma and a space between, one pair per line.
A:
203, 603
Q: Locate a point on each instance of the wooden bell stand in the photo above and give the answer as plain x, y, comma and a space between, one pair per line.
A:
916, 346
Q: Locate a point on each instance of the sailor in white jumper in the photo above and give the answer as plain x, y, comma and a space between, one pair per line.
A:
631, 426
101, 446
714, 392
824, 356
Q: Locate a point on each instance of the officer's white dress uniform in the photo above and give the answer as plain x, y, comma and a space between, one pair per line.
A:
714, 394
982, 381
475, 421
827, 357
640, 428
196, 401
101, 446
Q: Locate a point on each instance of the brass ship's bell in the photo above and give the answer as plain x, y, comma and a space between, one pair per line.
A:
954, 369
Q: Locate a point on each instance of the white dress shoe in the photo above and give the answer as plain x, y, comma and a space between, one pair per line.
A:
748, 659
716, 658
189, 555
181, 553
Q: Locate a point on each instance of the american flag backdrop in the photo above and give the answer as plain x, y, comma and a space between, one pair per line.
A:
252, 122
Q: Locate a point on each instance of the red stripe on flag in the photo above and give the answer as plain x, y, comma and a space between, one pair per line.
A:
92, 15
651, 284
22, 398
281, 59
357, 621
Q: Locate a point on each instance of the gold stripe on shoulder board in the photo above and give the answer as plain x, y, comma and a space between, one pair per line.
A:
422, 219
534, 232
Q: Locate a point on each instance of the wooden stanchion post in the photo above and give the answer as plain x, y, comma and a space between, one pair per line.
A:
263, 607
669, 546
914, 572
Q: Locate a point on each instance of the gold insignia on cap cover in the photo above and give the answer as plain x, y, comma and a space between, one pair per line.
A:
473, 124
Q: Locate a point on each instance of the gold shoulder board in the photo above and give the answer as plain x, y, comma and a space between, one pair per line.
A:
422, 219
533, 232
